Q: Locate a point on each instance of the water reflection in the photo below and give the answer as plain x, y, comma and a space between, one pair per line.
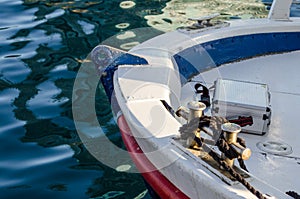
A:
41, 50
176, 13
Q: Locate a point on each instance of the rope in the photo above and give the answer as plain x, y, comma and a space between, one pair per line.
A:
293, 194
187, 129
230, 152
233, 173
214, 123
225, 148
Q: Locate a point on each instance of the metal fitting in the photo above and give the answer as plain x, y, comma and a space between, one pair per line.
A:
183, 112
231, 131
196, 109
245, 153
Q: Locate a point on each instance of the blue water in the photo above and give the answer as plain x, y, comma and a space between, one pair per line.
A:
42, 46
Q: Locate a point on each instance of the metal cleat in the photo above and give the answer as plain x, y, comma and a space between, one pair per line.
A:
204, 21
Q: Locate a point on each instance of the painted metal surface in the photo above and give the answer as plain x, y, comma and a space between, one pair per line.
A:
280, 10
281, 73
107, 60
232, 49
162, 186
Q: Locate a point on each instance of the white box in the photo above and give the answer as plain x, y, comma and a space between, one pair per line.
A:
234, 98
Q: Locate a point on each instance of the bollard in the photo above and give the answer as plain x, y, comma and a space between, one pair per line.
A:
231, 131
195, 109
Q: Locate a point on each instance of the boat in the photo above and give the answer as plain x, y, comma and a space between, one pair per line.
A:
210, 110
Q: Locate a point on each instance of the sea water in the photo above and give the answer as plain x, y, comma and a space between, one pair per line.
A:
43, 45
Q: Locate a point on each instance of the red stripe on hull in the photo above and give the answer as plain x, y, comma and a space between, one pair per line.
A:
162, 186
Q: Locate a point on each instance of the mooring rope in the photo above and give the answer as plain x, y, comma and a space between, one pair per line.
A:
293, 194
230, 152
214, 123
234, 174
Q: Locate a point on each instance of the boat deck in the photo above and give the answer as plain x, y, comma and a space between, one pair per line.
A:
281, 73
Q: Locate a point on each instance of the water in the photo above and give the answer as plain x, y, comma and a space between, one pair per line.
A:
42, 46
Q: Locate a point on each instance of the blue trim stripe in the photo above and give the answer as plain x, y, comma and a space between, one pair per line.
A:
124, 59
198, 58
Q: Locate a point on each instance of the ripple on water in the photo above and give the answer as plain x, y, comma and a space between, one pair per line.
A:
43, 157
87, 28
46, 104
8, 120
122, 25
123, 168
126, 35
15, 22
128, 46
127, 4
13, 70
27, 168
61, 72
56, 13
176, 13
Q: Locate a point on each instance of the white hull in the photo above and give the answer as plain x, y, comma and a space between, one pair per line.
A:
140, 89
